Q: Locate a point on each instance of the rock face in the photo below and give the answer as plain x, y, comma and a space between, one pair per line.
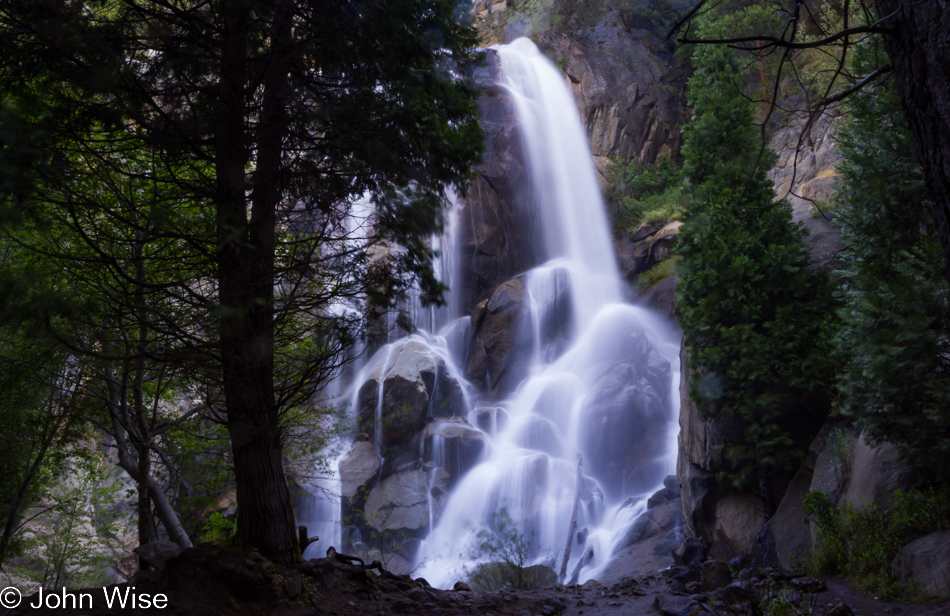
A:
629, 99
400, 504
925, 563
415, 386
724, 521
497, 340
876, 475
789, 526
647, 547
452, 445
807, 174
625, 420
359, 471
496, 234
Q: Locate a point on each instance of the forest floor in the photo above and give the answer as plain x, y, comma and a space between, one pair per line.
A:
216, 582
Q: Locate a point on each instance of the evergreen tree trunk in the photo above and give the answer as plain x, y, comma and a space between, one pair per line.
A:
246, 279
919, 49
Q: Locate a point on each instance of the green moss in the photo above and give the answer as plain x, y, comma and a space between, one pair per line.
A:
656, 273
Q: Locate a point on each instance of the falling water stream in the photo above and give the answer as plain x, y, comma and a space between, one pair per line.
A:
605, 392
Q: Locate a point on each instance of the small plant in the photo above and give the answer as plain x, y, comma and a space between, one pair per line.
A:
841, 447
504, 552
863, 545
647, 193
656, 273
218, 529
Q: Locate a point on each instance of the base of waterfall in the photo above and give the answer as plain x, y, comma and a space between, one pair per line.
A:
213, 580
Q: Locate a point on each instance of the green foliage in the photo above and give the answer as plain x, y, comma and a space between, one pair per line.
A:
75, 530
894, 342
753, 315
503, 552
841, 446
863, 544
647, 193
219, 530
656, 273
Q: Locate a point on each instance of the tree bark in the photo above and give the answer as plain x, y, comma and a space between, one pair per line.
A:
246, 282
919, 48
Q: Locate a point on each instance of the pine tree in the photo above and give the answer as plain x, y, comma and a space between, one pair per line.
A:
895, 379
752, 313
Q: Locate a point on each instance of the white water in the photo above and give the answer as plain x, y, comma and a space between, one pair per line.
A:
529, 469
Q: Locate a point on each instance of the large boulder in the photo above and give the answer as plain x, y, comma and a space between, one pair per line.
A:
789, 526
453, 445
359, 471
399, 507
415, 387
876, 474
497, 345
925, 563
736, 520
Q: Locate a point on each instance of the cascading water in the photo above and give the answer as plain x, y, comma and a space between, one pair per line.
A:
601, 381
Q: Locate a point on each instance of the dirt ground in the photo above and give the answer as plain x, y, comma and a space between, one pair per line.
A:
215, 582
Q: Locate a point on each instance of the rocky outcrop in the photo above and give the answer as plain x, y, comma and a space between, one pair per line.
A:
725, 522
629, 98
805, 174
925, 564
415, 386
876, 474
359, 471
400, 505
650, 244
648, 544
453, 445
496, 229
496, 339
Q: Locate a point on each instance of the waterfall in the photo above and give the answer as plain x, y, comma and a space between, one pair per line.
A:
599, 378
530, 472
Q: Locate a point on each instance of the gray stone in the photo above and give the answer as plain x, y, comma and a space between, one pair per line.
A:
399, 503
492, 419
359, 470
653, 521
790, 526
454, 445
416, 386
876, 474
737, 518
157, 553
496, 346
925, 562
293, 584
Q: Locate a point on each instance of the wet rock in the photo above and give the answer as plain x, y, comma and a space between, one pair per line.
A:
625, 421
454, 445
497, 342
359, 470
737, 592
491, 420
925, 562
671, 491
399, 504
415, 385
653, 521
715, 574
541, 435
